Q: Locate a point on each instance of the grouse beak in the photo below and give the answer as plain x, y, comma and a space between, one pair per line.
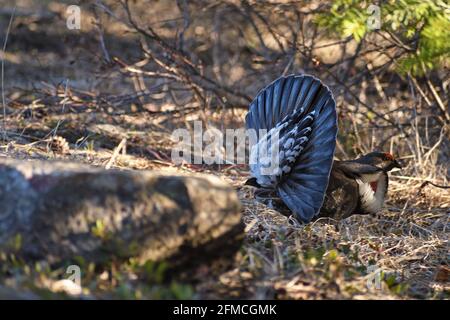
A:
396, 164
251, 182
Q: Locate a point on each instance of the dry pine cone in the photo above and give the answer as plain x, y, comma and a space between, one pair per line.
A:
59, 145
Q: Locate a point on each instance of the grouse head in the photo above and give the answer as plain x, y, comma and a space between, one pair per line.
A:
383, 160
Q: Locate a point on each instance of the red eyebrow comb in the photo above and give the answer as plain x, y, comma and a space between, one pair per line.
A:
389, 156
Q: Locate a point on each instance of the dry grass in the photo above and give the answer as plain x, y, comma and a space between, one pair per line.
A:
407, 241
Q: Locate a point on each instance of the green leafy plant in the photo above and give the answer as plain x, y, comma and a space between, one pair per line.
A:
420, 28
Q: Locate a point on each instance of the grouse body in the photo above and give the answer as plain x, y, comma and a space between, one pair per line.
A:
296, 127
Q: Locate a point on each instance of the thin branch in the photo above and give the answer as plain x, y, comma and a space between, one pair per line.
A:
433, 184
100, 30
121, 146
3, 72
435, 95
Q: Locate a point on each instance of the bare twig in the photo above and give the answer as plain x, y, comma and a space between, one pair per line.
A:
425, 183
3, 71
100, 30
435, 95
116, 152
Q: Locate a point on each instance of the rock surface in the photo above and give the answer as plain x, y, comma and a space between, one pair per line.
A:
63, 210
13, 294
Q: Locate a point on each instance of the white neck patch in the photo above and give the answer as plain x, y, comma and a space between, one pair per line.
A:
372, 201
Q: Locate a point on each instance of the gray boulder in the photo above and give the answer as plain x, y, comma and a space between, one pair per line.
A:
64, 210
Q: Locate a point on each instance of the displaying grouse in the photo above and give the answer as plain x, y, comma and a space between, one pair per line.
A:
294, 120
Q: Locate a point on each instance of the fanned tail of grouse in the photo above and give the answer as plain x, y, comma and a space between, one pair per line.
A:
299, 113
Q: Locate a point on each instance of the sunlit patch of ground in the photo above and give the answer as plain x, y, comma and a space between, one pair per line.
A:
400, 253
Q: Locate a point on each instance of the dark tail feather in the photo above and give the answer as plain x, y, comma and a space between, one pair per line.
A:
303, 189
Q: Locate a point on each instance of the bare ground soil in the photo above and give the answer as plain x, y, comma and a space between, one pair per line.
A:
406, 244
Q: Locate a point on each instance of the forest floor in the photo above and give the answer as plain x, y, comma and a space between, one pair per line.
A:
400, 253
